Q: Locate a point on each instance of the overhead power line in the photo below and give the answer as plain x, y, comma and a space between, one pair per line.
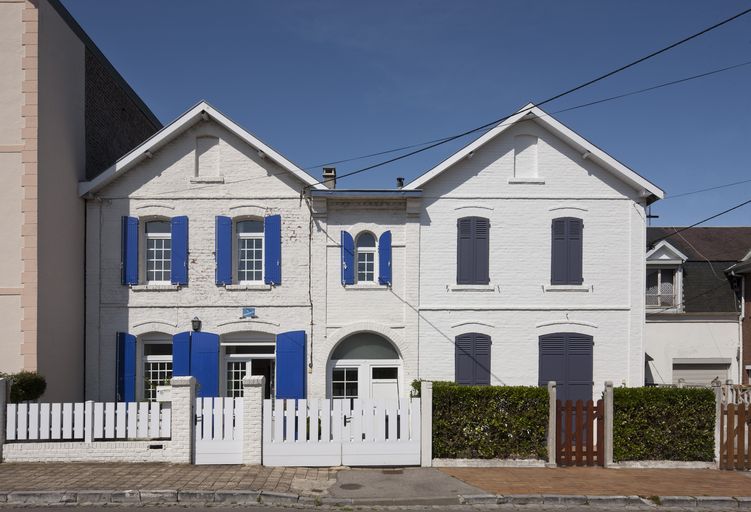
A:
708, 189
575, 107
548, 100
677, 231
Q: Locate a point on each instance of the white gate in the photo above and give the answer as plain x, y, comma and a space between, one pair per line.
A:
341, 432
219, 430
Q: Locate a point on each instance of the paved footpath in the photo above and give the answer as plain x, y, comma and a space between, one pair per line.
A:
29, 484
600, 481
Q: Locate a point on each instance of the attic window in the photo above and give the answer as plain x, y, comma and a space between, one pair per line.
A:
207, 157
525, 156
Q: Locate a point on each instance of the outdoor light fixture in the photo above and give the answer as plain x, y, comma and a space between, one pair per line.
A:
196, 323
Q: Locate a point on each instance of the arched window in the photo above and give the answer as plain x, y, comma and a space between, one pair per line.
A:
158, 252
366, 251
249, 251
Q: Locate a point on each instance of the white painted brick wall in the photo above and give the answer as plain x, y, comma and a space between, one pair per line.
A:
420, 306
520, 246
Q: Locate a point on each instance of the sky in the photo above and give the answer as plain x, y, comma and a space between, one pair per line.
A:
330, 80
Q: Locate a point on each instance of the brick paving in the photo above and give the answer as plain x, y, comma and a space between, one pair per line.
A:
606, 482
116, 477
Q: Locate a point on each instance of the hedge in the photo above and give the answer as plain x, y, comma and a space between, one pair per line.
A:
663, 424
25, 386
489, 422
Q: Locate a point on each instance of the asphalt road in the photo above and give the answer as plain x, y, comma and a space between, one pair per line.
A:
264, 508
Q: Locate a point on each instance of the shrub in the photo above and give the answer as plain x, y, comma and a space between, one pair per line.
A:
489, 422
663, 424
25, 386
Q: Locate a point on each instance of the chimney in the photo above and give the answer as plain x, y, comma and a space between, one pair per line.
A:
329, 177
399, 182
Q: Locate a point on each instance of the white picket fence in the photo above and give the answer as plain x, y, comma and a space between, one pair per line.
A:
87, 421
337, 432
219, 430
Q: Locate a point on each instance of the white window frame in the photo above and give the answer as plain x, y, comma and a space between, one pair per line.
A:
155, 236
249, 236
364, 374
677, 305
246, 358
154, 339
366, 250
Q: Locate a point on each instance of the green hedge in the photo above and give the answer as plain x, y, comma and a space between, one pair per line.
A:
663, 424
25, 386
489, 422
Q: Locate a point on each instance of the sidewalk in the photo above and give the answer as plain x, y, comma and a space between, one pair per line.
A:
599, 481
55, 483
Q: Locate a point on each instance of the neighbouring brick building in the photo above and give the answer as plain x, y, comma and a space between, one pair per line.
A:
697, 324
65, 114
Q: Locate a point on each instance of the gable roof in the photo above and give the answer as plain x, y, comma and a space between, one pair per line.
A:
668, 249
529, 111
707, 243
200, 112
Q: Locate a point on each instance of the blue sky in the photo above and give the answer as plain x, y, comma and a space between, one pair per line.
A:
327, 80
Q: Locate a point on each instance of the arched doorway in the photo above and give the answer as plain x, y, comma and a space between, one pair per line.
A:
365, 365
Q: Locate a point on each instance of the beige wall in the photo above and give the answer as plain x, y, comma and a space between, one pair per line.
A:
11, 170
62, 160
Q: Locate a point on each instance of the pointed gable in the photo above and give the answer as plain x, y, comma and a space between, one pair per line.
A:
204, 146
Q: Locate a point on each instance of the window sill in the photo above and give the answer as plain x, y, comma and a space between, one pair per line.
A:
526, 181
471, 287
155, 287
247, 287
207, 179
366, 286
566, 287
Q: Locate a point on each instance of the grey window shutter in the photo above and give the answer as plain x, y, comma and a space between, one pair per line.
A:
574, 242
464, 250
464, 365
482, 359
559, 253
482, 250
578, 367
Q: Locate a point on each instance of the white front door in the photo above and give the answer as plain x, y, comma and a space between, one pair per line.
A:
384, 382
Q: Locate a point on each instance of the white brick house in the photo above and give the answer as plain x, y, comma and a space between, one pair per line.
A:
357, 293
527, 320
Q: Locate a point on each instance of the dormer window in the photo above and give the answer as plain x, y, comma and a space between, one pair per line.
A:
664, 292
661, 287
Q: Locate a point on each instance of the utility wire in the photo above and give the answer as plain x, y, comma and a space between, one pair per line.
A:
548, 100
684, 194
660, 239
546, 114
575, 107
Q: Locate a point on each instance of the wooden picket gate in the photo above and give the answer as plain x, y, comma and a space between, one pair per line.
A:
735, 436
580, 436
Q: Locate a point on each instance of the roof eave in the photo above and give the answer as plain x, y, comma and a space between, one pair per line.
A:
146, 149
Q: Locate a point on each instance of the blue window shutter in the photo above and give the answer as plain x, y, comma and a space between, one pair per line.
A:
130, 250
290, 364
272, 246
126, 367
223, 250
204, 362
179, 271
574, 241
348, 259
384, 258
181, 354
559, 252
